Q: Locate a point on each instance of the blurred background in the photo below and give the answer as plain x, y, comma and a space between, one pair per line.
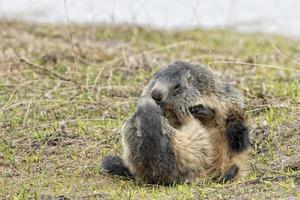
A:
72, 71
275, 16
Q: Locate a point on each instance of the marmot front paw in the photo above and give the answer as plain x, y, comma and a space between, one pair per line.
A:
201, 112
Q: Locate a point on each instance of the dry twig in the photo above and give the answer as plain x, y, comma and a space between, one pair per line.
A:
37, 66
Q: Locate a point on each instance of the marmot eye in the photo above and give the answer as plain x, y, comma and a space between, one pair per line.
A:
176, 87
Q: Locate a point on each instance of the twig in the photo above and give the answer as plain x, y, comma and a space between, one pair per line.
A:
252, 64
262, 179
27, 112
262, 107
97, 77
10, 98
163, 48
37, 66
70, 33
285, 54
66, 121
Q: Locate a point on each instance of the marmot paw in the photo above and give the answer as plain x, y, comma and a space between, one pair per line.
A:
199, 111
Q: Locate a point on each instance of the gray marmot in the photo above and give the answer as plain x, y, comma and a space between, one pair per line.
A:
189, 123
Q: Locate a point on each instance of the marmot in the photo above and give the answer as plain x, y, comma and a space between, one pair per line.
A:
184, 92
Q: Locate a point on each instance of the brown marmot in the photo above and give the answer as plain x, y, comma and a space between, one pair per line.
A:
189, 114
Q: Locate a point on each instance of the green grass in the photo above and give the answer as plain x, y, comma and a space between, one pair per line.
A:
54, 130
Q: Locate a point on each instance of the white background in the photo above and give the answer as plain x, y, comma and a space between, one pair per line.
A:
277, 16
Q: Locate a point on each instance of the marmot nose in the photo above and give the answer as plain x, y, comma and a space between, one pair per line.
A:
156, 95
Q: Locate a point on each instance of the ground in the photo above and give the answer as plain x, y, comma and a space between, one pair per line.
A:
65, 91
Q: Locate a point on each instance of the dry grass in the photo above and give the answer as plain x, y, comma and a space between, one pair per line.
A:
63, 101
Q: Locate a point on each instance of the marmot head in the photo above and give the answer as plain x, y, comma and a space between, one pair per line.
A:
180, 84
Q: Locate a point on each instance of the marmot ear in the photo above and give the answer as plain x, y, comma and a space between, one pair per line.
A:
188, 76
